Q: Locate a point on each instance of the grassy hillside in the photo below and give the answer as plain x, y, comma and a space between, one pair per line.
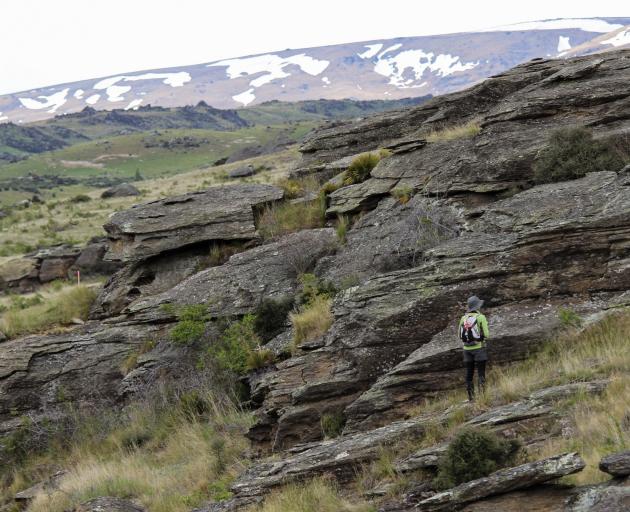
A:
173, 452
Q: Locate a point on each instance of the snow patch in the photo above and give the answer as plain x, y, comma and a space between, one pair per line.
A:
272, 66
563, 44
93, 99
245, 97
3, 118
326, 80
372, 50
133, 104
115, 92
396, 66
78, 94
52, 102
619, 39
391, 48
585, 24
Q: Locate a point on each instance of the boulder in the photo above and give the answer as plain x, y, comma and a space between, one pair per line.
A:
219, 213
55, 263
19, 274
121, 190
108, 504
47, 485
238, 286
504, 480
91, 259
242, 172
39, 373
617, 464
608, 497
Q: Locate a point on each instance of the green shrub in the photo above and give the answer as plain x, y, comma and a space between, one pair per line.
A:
234, 347
332, 424
360, 168
474, 453
191, 324
313, 287
80, 198
571, 153
271, 316
569, 318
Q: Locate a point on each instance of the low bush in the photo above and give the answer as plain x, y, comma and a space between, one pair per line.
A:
232, 351
572, 153
312, 287
59, 309
80, 198
283, 218
271, 316
360, 168
191, 324
332, 424
312, 320
461, 131
474, 453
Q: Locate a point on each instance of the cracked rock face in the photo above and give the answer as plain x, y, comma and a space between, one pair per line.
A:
553, 251
219, 213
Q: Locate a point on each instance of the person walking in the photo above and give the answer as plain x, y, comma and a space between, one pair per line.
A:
473, 332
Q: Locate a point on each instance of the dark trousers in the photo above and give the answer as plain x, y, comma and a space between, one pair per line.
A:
475, 358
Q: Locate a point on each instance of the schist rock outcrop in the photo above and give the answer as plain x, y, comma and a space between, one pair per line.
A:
473, 221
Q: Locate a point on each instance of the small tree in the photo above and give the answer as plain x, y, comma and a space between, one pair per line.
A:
572, 153
474, 453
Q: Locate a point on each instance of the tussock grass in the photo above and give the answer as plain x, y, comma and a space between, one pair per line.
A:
169, 458
318, 495
598, 428
361, 167
281, 219
312, 320
462, 131
56, 310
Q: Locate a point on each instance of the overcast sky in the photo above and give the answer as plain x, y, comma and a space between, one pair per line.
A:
46, 42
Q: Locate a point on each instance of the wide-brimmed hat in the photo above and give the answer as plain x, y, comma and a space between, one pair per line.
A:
474, 303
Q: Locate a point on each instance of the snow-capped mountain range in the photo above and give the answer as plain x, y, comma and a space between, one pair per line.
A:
382, 69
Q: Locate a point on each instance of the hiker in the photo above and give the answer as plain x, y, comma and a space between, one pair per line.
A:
473, 331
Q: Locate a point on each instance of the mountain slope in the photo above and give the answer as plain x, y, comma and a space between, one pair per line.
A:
379, 69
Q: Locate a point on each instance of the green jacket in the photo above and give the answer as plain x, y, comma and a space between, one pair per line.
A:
483, 325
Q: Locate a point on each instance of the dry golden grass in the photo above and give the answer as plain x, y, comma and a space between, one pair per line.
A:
281, 219
317, 495
56, 310
312, 320
462, 131
182, 461
599, 428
